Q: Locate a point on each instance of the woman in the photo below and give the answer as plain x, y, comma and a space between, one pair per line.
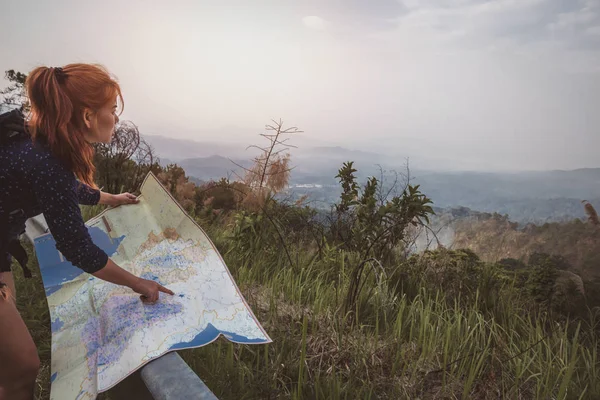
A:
50, 171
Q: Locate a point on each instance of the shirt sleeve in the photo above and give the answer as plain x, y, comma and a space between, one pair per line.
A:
86, 194
57, 195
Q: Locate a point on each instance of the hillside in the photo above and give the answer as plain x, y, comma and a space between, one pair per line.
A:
497, 238
494, 237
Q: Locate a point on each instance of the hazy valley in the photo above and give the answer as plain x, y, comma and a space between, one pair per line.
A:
526, 197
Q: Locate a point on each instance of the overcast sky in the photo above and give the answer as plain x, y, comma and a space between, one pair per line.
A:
468, 84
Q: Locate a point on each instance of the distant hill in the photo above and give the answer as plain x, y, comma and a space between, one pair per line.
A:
311, 163
214, 167
536, 197
180, 149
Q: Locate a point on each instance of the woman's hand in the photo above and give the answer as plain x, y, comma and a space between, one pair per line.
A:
124, 198
115, 200
149, 290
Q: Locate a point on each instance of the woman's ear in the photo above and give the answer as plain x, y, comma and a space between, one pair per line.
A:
87, 115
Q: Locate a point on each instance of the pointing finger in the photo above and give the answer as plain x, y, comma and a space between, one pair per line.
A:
165, 290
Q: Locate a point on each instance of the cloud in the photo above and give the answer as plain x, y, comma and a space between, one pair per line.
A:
564, 22
485, 81
354, 17
314, 22
573, 19
593, 30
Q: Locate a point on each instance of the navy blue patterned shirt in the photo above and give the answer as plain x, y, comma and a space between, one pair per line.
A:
33, 180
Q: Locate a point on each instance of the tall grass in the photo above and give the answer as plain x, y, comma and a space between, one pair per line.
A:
401, 342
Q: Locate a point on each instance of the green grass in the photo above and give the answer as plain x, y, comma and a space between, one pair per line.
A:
413, 343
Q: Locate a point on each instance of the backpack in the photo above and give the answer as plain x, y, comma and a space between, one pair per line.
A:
12, 127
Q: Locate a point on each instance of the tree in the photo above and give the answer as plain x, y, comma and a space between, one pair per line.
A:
270, 171
14, 94
373, 226
122, 164
177, 183
512, 264
268, 175
542, 278
220, 196
591, 213
369, 224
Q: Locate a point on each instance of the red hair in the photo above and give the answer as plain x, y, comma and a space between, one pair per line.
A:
57, 97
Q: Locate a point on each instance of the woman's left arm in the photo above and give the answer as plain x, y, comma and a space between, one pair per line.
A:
87, 195
90, 196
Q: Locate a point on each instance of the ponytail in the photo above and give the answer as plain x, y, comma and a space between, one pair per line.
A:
57, 97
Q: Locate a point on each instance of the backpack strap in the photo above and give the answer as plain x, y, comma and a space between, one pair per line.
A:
12, 245
12, 126
15, 248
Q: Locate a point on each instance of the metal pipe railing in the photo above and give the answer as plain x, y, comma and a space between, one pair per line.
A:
169, 378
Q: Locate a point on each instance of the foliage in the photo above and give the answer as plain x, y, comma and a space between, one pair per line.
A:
177, 183
553, 261
268, 175
576, 243
122, 164
373, 228
512, 264
590, 211
541, 280
270, 171
456, 271
551, 285
14, 93
223, 196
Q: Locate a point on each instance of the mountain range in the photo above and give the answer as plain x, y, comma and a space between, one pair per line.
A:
528, 196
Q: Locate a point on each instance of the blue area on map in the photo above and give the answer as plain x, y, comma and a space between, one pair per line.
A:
119, 320
169, 260
53, 377
54, 271
157, 311
152, 277
56, 325
211, 333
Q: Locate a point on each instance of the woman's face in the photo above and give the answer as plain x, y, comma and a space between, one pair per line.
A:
101, 123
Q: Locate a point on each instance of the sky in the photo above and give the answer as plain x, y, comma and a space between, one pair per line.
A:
470, 85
